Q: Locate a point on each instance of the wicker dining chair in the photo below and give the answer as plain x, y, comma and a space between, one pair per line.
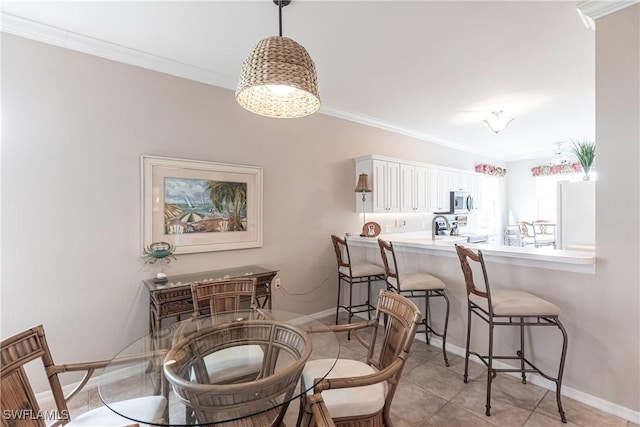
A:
320, 413
225, 296
267, 398
360, 393
18, 401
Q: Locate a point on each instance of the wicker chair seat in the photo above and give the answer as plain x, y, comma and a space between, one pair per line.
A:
363, 269
417, 282
516, 303
346, 402
232, 363
147, 408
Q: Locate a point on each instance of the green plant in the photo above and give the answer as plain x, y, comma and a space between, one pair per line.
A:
585, 151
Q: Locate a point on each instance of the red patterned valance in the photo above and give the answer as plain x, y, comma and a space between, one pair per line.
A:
491, 170
544, 170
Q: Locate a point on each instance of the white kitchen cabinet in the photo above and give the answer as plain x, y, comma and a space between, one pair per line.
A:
435, 202
475, 188
407, 186
386, 186
413, 188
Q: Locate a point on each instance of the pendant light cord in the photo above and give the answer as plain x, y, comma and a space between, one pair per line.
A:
280, 15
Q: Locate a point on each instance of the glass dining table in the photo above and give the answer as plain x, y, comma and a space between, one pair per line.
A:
140, 369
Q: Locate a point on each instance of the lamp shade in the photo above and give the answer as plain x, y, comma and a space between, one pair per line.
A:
363, 184
278, 79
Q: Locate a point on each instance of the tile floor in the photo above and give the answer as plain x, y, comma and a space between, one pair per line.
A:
430, 394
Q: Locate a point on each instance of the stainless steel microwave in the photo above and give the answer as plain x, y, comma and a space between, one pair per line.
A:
460, 202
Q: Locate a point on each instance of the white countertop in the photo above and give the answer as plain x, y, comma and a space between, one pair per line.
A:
545, 257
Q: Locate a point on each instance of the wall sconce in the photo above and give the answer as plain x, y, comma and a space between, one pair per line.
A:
364, 188
497, 123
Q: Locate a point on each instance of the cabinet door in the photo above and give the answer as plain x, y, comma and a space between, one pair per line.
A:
379, 185
393, 187
433, 190
464, 182
446, 185
407, 188
476, 191
420, 189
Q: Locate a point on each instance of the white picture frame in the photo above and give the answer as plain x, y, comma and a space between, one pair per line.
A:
177, 206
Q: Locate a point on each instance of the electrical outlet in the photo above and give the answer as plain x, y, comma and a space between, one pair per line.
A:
388, 229
277, 283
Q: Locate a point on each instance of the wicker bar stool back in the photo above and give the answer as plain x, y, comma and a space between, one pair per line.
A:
354, 273
18, 401
416, 285
360, 393
267, 397
501, 307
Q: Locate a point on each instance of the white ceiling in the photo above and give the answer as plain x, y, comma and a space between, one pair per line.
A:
430, 69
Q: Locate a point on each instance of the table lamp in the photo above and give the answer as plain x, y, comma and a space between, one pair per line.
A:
363, 187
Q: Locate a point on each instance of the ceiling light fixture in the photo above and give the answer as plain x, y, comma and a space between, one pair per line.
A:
278, 78
497, 123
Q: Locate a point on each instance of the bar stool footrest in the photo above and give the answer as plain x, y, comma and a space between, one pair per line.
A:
532, 368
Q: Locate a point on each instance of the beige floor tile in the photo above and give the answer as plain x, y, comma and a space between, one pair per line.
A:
476, 370
578, 413
511, 401
539, 419
414, 404
440, 380
452, 415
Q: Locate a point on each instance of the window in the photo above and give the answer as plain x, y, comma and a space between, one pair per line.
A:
546, 194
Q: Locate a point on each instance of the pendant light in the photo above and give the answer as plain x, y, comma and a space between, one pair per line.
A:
278, 78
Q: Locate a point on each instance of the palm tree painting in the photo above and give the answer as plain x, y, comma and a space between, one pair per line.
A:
204, 206
231, 199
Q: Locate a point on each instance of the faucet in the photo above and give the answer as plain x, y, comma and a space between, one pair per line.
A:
434, 226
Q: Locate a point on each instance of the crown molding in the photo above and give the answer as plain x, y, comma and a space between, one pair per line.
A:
33, 30
591, 10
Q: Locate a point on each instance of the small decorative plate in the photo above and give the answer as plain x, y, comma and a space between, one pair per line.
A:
371, 229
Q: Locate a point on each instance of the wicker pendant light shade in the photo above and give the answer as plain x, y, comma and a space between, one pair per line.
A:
278, 78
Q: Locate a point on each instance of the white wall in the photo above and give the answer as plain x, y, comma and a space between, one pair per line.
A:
73, 129
618, 184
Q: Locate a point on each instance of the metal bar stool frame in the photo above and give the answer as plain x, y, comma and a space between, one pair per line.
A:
349, 279
492, 319
427, 294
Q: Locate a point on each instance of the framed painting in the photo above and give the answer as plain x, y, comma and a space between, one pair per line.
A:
200, 206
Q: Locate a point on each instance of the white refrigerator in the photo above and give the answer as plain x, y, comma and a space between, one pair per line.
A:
576, 214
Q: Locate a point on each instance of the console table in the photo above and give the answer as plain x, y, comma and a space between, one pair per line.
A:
172, 298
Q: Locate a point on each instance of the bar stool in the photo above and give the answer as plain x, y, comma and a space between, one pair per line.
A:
363, 272
416, 285
507, 308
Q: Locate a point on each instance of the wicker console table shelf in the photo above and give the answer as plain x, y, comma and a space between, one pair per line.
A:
172, 299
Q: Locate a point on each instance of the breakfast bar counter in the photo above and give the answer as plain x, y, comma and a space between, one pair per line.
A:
543, 257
